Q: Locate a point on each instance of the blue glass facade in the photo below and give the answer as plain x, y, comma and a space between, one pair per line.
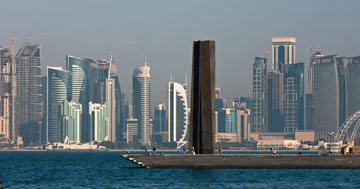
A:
58, 90
230, 120
80, 89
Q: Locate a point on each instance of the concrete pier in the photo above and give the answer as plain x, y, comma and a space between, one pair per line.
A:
247, 161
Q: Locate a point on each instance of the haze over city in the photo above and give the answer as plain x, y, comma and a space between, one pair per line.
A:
163, 32
179, 94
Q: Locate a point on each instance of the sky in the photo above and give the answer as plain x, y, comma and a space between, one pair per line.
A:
163, 31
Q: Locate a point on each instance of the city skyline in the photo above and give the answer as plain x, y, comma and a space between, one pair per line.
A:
148, 33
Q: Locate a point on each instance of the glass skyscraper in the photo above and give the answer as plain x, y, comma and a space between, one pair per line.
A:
353, 85
28, 104
120, 119
230, 120
80, 92
58, 90
326, 95
160, 119
293, 106
141, 103
259, 82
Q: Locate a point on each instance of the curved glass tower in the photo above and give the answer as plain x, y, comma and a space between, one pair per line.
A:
141, 102
177, 112
58, 90
79, 68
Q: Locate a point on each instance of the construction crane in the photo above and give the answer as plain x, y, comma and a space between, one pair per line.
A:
13, 85
13, 78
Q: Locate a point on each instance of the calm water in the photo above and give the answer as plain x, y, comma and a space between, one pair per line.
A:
109, 170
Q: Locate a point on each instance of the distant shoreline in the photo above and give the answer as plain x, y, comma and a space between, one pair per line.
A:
138, 150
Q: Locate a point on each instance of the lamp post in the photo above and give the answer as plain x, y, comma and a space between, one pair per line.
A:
330, 134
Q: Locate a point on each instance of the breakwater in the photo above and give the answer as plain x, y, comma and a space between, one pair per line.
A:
247, 161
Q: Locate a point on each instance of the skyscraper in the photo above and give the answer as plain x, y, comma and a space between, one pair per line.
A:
353, 85
70, 120
177, 112
309, 96
283, 50
293, 97
119, 104
219, 106
230, 120
141, 102
326, 95
160, 119
243, 103
5, 93
202, 119
274, 102
98, 122
160, 124
44, 124
28, 105
80, 91
58, 90
259, 82
111, 108
243, 125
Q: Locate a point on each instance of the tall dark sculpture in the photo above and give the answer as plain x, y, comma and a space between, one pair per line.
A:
202, 118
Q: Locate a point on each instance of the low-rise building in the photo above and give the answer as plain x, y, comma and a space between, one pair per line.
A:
278, 144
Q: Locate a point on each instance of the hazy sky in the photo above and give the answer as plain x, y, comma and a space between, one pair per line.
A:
163, 31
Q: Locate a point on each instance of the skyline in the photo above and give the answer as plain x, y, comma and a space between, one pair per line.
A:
140, 29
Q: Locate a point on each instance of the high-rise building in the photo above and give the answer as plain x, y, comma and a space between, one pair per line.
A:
128, 113
111, 108
5, 93
341, 66
202, 119
160, 124
44, 114
99, 122
243, 103
141, 102
243, 119
219, 106
70, 120
28, 105
80, 90
274, 102
132, 130
177, 112
58, 90
327, 95
353, 85
293, 97
160, 119
283, 51
230, 120
259, 99
119, 104
309, 96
